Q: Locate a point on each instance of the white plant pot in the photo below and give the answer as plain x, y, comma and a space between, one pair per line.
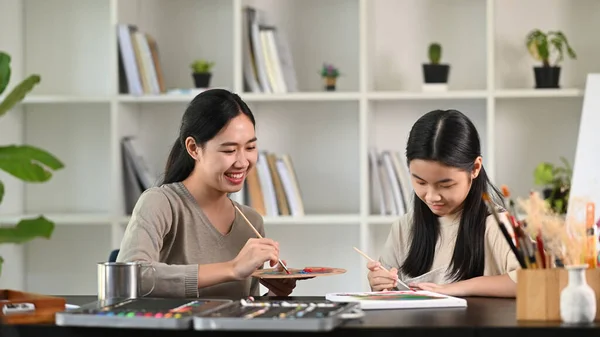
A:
577, 299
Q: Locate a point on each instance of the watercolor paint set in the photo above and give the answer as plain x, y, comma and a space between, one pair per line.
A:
211, 314
160, 313
288, 315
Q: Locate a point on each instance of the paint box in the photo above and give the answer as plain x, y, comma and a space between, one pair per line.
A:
538, 292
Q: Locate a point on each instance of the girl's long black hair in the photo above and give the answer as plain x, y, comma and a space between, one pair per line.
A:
450, 138
204, 117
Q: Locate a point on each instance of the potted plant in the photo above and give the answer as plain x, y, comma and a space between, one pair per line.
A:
434, 72
541, 46
201, 71
556, 183
330, 74
24, 162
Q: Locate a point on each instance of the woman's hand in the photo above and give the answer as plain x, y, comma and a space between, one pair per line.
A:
279, 287
379, 279
253, 256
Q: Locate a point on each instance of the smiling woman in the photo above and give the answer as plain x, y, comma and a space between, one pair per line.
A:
187, 228
448, 243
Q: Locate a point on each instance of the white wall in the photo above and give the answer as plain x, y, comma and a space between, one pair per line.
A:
379, 45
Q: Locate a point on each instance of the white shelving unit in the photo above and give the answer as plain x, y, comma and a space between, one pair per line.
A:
77, 113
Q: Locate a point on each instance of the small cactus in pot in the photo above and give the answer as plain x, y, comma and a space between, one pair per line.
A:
434, 71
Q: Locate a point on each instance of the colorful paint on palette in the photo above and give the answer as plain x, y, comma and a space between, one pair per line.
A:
307, 270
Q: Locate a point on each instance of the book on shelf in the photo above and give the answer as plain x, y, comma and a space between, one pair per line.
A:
272, 188
137, 177
268, 64
391, 190
140, 71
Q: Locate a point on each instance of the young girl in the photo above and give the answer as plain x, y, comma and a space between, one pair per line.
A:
449, 243
187, 228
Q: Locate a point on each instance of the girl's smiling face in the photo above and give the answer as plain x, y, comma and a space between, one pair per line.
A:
442, 188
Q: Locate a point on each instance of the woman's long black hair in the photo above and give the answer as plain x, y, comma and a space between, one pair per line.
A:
204, 117
450, 138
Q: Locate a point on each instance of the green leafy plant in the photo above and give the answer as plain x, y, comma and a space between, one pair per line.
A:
542, 45
24, 162
328, 70
202, 66
556, 181
435, 53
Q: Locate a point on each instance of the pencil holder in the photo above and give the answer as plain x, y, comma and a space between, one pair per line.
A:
538, 292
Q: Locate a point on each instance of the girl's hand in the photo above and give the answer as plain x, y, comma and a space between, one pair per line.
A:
452, 289
379, 279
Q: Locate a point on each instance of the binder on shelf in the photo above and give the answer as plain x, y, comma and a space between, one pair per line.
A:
391, 190
137, 177
272, 187
140, 71
267, 60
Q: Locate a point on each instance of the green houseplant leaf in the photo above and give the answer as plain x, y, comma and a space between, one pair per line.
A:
18, 93
4, 71
27, 230
202, 66
28, 163
25, 162
544, 174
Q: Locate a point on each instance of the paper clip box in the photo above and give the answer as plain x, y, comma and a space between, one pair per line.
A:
538, 292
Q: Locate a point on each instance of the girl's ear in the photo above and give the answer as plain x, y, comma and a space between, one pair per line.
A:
477, 165
192, 148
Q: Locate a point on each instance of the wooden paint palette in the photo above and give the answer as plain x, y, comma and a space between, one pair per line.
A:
304, 273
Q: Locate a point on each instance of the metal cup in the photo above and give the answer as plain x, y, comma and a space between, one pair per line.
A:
122, 280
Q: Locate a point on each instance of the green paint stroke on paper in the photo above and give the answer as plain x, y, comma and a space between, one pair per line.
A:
393, 297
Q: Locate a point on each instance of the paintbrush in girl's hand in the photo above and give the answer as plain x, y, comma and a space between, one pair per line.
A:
382, 267
260, 236
492, 209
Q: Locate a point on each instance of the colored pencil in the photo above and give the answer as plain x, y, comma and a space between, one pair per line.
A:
260, 236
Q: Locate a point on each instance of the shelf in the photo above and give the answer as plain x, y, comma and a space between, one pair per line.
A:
382, 219
315, 96
61, 218
302, 96
59, 99
533, 93
249, 97
416, 95
326, 219
155, 98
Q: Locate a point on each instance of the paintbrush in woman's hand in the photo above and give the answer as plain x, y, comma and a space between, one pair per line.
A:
260, 236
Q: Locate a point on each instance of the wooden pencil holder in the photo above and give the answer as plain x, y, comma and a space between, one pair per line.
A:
538, 292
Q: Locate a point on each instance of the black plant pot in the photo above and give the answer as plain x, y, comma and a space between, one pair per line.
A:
202, 80
436, 73
558, 194
546, 77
